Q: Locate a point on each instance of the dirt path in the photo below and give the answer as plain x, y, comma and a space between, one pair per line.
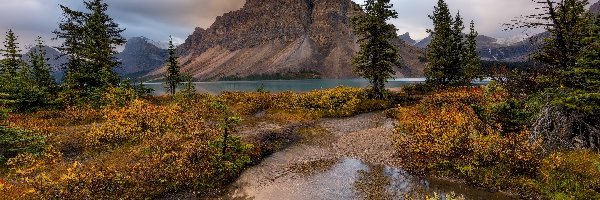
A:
349, 158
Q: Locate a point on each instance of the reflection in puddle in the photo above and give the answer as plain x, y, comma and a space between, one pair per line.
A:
352, 179
322, 166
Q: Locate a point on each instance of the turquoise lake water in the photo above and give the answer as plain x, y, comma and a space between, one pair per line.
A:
284, 85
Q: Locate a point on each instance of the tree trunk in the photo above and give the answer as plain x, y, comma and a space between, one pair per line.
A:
378, 87
225, 137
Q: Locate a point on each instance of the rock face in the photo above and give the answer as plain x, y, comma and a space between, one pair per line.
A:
278, 36
595, 8
406, 37
140, 57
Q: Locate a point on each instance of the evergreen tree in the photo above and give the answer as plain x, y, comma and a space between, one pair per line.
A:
453, 59
173, 78
455, 72
472, 61
40, 69
102, 38
90, 41
440, 48
377, 56
12, 58
581, 89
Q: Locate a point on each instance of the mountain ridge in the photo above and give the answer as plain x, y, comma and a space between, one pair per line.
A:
279, 36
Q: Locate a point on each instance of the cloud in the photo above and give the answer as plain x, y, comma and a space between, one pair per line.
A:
489, 15
157, 19
154, 19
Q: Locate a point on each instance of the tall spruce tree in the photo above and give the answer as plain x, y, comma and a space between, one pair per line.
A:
12, 58
173, 78
40, 71
440, 48
377, 56
90, 41
453, 59
472, 60
581, 89
71, 31
455, 73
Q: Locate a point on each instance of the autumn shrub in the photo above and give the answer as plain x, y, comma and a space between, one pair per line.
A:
335, 102
444, 134
14, 141
140, 120
154, 150
571, 175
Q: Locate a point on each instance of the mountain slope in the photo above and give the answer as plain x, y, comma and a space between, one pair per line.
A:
595, 8
140, 57
55, 60
406, 37
279, 36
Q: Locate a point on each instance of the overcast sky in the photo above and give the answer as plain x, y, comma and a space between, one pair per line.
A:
157, 19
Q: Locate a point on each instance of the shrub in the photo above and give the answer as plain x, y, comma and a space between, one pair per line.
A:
571, 175
140, 120
444, 134
335, 102
14, 141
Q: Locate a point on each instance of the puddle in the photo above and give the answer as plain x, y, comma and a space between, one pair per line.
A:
352, 179
319, 168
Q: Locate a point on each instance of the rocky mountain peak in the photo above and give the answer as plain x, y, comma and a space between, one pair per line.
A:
140, 56
595, 8
406, 37
278, 36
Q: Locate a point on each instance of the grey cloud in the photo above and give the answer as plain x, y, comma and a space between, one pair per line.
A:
157, 19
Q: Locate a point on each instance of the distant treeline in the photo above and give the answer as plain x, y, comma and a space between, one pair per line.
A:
491, 68
303, 74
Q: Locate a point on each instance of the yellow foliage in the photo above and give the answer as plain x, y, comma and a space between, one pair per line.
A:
443, 133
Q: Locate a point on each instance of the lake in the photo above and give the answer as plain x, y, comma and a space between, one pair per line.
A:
283, 85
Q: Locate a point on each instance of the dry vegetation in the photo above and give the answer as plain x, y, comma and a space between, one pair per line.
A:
146, 148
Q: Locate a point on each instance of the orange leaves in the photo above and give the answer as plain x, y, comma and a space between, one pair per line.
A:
335, 102
137, 121
444, 133
572, 175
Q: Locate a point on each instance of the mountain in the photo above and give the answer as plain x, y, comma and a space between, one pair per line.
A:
424, 42
595, 8
406, 37
492, 49
280, 36
139, 57
55, 60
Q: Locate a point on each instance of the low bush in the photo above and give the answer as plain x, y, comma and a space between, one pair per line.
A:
571, 175
444, 134
335, 102
139, 151
14, 141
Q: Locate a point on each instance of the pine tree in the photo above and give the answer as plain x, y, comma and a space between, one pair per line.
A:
40, 69
90, 41
377, 56
472, 61
455, 72
12, 58
440, 48
103, 35
173, 78
581, 89
453, 59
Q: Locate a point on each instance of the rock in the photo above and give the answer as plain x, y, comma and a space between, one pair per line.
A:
279, 36
140, 57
